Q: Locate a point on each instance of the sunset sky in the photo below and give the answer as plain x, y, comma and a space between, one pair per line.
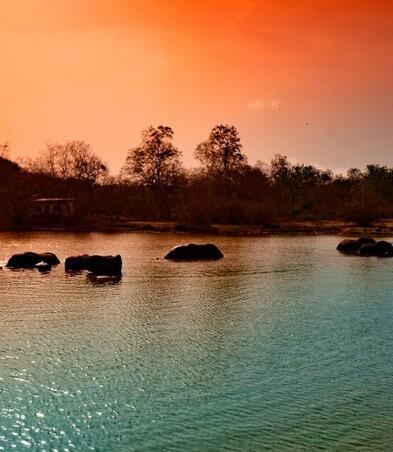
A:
310, 79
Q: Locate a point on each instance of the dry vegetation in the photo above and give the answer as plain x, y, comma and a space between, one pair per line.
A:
154, 186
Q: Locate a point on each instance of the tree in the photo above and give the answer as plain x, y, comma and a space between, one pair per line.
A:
296, 179
85, 165
354, 175
155, 163
221, 153
72, 160
381, 179
7, 166
4, 150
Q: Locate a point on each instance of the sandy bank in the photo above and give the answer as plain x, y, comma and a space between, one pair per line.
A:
325, 227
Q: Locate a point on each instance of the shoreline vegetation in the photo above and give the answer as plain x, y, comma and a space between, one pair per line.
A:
67, 187
296, 228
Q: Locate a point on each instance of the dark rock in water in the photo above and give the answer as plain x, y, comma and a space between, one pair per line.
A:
42, 267
30, 260
105, 265
77, 263
50, 258
379, 249
99, 265
347, 246
366, 246
384, 249
26, 260
350, 246
195, 252
367, 249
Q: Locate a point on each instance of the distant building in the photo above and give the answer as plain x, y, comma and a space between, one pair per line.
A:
53, 208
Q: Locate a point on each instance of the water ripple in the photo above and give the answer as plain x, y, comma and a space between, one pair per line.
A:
282, 345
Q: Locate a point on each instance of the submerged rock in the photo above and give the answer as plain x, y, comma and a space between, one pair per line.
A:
350, 246
193, 251
99, 265
30, 260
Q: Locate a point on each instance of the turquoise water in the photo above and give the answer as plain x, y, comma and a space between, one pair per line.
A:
285, 344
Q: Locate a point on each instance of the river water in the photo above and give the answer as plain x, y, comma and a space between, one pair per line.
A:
284, 344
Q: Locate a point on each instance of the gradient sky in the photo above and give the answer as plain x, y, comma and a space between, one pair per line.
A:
309, 79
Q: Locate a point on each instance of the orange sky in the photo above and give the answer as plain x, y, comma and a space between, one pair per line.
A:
310, 79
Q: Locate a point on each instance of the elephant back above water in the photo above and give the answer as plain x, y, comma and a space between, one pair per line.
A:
192, 252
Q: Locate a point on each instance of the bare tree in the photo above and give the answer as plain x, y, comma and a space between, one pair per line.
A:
71, 160
86, 166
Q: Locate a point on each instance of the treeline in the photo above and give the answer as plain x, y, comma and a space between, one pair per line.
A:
154, 185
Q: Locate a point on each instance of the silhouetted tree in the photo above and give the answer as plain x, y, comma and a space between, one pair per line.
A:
224, 190
297, 179
354, 175
221, 154
71, 160
156, 164
4, 150
8, 168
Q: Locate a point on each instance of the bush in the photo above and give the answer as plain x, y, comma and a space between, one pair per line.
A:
196, 214
237, 211
364, 216
366, 206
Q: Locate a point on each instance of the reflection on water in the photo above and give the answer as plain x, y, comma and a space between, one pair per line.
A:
107, 280
283, 344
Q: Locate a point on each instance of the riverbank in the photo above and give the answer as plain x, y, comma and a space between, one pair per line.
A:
323, 227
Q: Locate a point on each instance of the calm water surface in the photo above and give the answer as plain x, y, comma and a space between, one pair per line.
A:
284, 344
